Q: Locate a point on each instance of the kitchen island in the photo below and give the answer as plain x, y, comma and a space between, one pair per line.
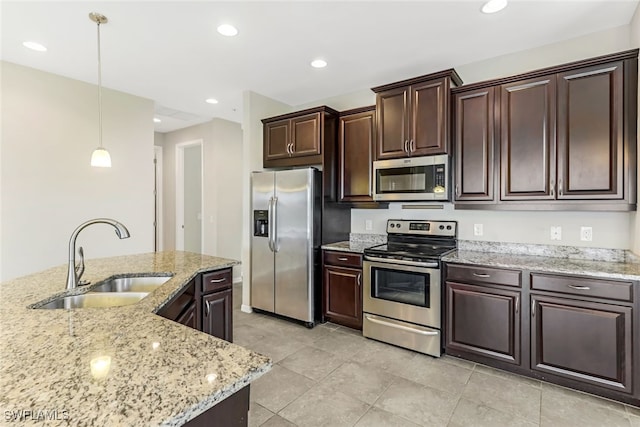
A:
119, 365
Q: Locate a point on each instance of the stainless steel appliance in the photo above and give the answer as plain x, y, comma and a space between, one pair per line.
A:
402, 294
415, 178
285, 242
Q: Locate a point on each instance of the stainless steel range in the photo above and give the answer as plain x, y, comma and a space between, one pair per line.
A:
402, 293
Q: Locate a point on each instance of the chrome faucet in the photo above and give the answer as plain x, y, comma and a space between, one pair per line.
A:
74, 273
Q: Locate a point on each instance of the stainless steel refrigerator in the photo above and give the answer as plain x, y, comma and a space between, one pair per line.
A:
286, 218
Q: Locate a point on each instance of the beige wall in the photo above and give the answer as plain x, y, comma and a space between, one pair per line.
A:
635, 217
255, 107
222, 187
49, 130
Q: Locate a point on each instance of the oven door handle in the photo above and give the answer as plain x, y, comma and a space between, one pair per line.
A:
402, 262
401, 327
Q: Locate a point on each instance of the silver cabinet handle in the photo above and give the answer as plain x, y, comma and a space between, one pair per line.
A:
406, 146
457, 190
343, 259
552, 186
217, 280
559, 187
401, 327
483, 275
206, 304
359, 279
579, 288
412, 146
517, 303
275, 224
533, 308
292, 150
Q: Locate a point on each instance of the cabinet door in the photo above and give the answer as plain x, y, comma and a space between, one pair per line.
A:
343, 296
484, 321
217, 315
584, 341
189, 318
429, 106
528, 145
276, 140
474, 145
392, 118
356, 143
590, 141
305, 135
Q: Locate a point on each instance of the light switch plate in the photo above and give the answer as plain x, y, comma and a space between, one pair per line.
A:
368, 225
556, 232
478, 230
586, 234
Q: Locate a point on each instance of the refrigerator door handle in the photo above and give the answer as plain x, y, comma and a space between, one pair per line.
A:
271, 222
274, 239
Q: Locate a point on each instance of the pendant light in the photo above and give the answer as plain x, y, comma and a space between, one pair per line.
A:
100, 157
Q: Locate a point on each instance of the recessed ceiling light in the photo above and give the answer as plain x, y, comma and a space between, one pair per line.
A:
227, 30
211, 101
318, 63
493, 6
156, 120
35, 46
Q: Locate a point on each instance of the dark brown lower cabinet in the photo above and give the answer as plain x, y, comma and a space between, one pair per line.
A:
189, 317
584, 341
343, 296
231, 412
217, 314
484, 321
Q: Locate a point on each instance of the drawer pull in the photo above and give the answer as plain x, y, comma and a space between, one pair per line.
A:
343, 259
483, 275
217, 280
579, 288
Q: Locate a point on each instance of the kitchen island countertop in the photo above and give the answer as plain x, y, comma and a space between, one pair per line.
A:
603, 269
114, 366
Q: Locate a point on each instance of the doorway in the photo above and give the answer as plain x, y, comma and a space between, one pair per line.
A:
158, 238
189, 168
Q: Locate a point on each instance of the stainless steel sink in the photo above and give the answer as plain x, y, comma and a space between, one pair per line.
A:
96, 300
132, 284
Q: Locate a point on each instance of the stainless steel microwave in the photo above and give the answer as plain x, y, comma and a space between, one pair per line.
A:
411, 179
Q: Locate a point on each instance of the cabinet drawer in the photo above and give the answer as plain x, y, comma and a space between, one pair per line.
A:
583, 286
345, 259
479, 274
216, 280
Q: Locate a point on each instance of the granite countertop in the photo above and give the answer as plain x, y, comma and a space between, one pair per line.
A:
603, 269
120, 365
348, 246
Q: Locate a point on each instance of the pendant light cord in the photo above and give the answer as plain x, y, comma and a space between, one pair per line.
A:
99, 91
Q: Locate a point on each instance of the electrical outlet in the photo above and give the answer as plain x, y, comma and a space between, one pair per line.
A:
586, 234
556, 233
478, 230
368, 225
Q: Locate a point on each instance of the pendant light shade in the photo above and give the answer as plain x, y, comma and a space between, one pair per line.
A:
100, 157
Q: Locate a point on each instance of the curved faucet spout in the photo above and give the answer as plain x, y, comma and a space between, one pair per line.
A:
72, 277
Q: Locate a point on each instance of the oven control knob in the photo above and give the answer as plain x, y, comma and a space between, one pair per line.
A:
392, 225
441, 227
448, 227
398, 225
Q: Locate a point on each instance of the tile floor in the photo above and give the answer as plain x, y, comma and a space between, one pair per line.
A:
332, 376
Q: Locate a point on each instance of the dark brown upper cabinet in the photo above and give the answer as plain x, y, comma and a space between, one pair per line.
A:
356, 145
563, 138
528, 142
298, 139
590, 126
474, 145
412, 116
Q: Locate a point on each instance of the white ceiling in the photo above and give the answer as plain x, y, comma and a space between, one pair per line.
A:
171, 53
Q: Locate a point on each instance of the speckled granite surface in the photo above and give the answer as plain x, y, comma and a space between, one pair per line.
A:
357, 243
115, 366
554, 251
604, 269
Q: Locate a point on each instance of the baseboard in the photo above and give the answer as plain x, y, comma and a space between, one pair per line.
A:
246, 308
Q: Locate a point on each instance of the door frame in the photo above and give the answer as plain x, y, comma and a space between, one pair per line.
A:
179, 241
158, 197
